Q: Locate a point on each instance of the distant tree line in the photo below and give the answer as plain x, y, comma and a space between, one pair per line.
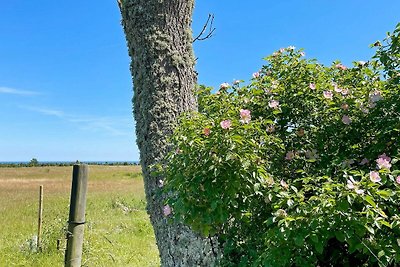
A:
35, 163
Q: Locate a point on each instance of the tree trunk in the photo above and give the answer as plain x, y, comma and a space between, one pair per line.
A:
159, 37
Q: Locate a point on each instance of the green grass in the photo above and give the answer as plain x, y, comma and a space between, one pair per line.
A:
117, 232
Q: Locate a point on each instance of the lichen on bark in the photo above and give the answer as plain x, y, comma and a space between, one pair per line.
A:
159, 39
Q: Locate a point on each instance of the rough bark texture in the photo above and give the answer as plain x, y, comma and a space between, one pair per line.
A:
159, 37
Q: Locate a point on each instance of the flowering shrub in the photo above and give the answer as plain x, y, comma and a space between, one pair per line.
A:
298, 168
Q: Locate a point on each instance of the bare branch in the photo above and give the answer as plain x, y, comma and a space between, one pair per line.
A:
209, 22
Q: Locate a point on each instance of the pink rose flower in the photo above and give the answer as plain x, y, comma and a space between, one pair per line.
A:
245, 116
341, 66
398, 179
338, 89
375, 96
206, 131
312, 154
350, 184
167, 210
347, 163
274, 84
345, 92
281, 50
236, 82
385, 157
284, 184
256, 75
312, 86
290, 155
224, 86
374, 176
273, 104
303, 54
346, 120
383, 162
328, 94
226, 124
359, 191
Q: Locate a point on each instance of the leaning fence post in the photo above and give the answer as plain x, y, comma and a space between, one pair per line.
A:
76, 221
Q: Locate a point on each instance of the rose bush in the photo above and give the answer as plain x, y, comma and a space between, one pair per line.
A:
298, 168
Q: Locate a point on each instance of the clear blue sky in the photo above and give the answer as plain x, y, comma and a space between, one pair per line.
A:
65, 86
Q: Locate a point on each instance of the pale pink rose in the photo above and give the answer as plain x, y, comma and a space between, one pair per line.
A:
341, 66
374, 176
375, 96
383, 162
385, 157
280, 213
338, 89
346, 119
291, 47
226, 124
290, 155
350, 184
271, 128
160, 183
274, 84
359, 191
206, 131
303, 54
224, 86
398, 179
347, 163
167, 210
256, 75
284, 184
282, 50
273, 104
345, 106
275, 54
312, 86
328, 94
345, 92
236, 82
245, 116
312, 154
364, 161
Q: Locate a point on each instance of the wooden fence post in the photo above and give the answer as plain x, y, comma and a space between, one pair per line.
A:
76, 221
40, 219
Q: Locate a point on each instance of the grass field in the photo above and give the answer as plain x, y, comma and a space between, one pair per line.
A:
117, 232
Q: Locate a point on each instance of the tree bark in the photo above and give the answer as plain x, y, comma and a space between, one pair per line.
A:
159, 37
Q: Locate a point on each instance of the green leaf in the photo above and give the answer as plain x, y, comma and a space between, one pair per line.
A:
319, 247
299, 241
314, 238
340, 236
370, 229
384, 194
370, 200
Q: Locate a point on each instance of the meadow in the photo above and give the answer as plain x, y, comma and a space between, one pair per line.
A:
117, 232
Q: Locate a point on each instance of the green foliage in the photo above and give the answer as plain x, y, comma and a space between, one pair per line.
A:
298, 168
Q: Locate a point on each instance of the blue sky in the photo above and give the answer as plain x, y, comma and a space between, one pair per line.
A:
65, 86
